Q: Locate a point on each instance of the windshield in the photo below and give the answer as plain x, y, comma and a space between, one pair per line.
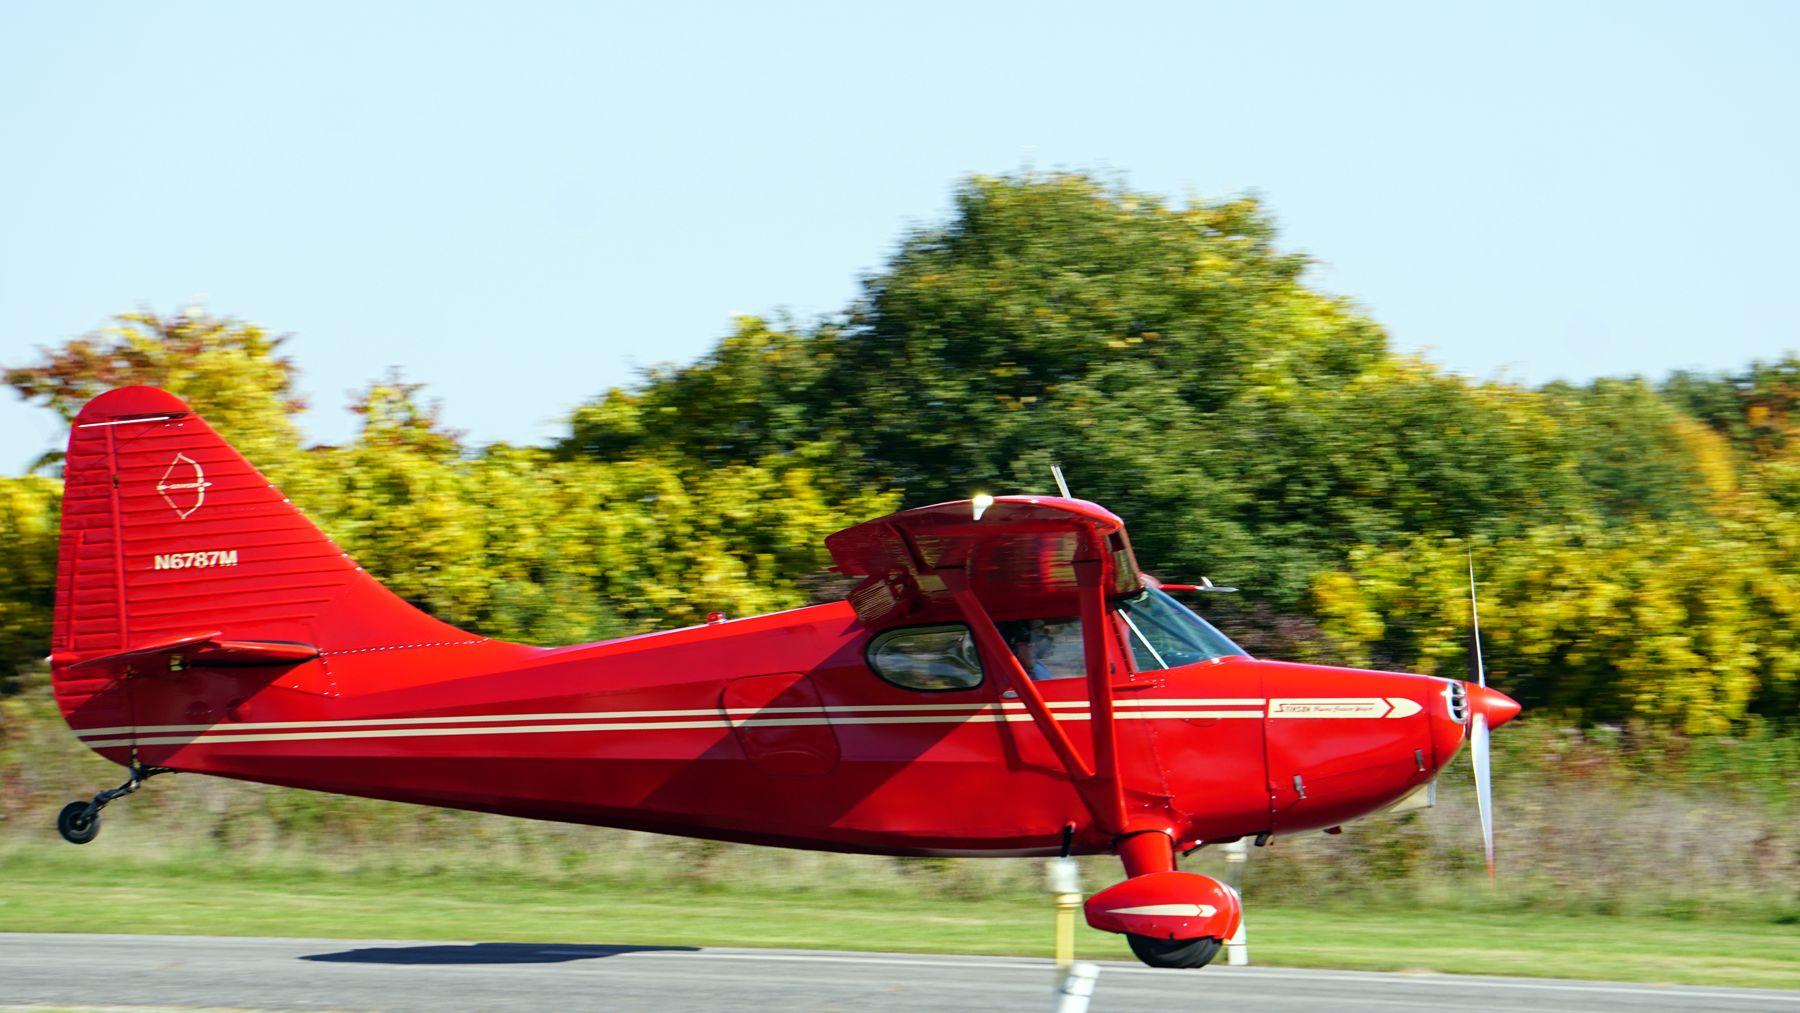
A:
1167, 634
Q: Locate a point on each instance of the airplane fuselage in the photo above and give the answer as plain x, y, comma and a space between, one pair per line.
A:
775, 730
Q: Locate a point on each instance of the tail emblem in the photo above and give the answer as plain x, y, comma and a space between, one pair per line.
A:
182, 495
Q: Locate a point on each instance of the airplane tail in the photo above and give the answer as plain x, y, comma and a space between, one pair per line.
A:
176, 552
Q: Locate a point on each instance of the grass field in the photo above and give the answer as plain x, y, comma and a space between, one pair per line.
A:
74, 892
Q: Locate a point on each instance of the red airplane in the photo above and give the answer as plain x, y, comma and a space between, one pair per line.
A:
1002, 681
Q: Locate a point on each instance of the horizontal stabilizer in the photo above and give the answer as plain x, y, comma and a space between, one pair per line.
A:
209, 649
254, 652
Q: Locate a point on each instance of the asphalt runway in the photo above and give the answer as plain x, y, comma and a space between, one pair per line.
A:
127, 972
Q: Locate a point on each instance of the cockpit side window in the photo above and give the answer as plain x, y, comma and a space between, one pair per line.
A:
1166, 634
928, 658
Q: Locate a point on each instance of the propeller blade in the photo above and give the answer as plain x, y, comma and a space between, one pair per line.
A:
1478, 751
1477, 673
1478, 724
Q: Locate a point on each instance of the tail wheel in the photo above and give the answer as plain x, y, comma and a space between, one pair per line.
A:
76, 824
1183, 953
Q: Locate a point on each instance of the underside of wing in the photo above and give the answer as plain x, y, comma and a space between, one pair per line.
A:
1019, 550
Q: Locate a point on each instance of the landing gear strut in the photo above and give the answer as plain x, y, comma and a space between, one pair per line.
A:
79, 822
1170, 918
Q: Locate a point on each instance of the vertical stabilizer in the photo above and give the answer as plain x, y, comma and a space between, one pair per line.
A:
170, 536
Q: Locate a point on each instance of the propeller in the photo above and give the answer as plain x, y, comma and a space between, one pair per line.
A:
1478, 726
1488, 709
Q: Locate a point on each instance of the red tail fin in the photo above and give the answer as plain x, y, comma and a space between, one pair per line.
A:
168, 534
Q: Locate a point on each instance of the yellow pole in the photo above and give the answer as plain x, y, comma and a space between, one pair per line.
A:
1065, 928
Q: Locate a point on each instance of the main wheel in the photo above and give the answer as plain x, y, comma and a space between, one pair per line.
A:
75, 825
1188, 953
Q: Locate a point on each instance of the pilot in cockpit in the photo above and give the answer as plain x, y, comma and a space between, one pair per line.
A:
1033, 642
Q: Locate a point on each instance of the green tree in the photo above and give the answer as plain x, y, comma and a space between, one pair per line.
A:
229, 368
1680, 624
1172, 359
29, 514
521, 543
1176, 363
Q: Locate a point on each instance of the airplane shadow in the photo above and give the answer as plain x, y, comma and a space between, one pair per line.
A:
484, 953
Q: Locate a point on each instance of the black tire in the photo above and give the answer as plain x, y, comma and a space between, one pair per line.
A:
1183, 953
75, 825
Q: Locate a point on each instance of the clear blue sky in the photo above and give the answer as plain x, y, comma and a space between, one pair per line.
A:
524, 203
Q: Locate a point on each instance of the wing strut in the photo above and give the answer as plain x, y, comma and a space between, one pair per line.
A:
1100, 791
1099, 676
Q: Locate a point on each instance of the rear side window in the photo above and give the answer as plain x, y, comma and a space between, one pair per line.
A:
927, 657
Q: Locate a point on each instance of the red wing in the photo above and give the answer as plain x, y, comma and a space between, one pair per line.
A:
1018, 555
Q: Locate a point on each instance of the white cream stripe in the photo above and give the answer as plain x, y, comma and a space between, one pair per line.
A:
250, 726
1191, 910
1173, 702
613, 726
710, 712
1194, 714
127, 422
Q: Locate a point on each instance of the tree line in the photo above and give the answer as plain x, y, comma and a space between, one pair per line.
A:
1636, 542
